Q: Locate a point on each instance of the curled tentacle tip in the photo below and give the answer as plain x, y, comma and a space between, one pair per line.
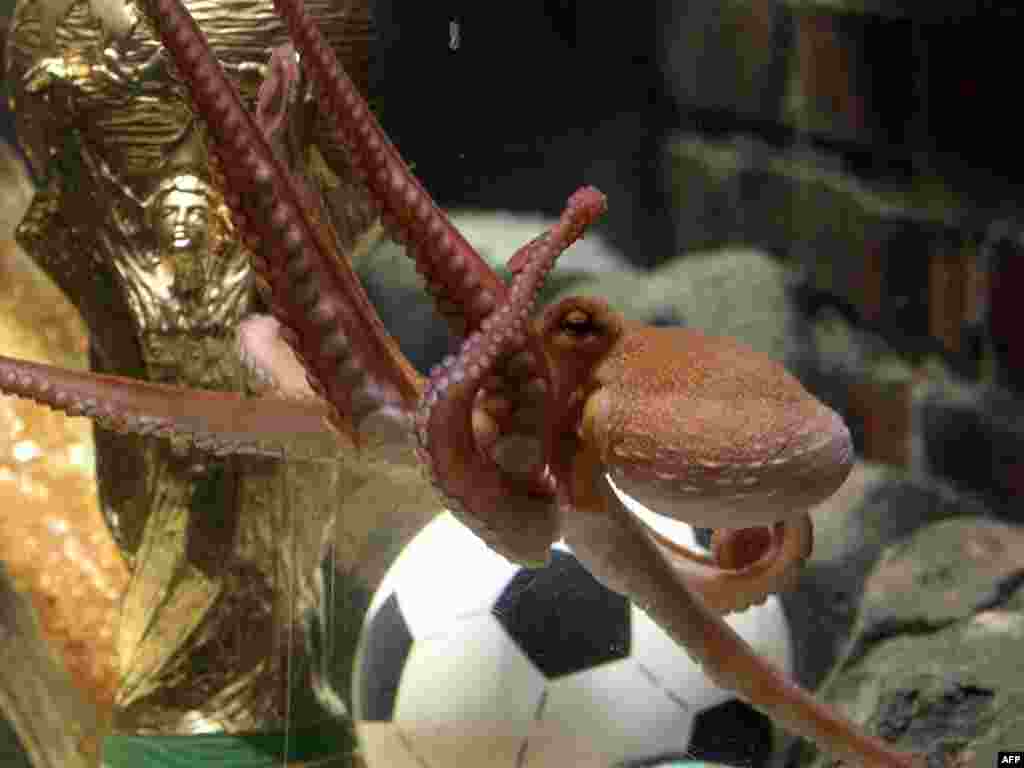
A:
737, 548
590, 201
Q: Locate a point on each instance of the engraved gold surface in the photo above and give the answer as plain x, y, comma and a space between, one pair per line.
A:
217, 559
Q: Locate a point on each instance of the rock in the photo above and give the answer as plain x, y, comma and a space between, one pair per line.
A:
801, 202
396, 289
863, 378
975, 438
876, 508
934, 660
738, 292
726, 57
499, 234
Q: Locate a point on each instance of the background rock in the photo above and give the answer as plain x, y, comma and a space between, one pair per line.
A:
934, 663
876, 508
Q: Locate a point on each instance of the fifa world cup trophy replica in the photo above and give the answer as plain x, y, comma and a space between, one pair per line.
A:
227, 622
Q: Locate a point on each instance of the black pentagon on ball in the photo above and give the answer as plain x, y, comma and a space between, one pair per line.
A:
562, 618
383, 660
733, 733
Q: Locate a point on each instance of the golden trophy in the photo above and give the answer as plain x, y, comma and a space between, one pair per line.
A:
229, 625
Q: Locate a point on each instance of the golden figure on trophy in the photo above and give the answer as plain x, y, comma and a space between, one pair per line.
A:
128, 220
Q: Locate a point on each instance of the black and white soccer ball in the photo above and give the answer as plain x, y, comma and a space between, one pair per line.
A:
466, 659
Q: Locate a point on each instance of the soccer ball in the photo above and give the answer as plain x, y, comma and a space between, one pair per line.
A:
467, 659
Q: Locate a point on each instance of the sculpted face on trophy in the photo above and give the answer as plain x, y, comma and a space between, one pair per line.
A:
129, 221
181, 223
188, 274
107, 126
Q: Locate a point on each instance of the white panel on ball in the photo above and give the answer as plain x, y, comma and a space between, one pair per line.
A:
468, 659
504, 682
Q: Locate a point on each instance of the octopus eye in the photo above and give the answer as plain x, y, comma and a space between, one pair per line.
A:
576, 322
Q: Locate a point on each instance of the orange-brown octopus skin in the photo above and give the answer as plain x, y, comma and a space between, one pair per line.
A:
591, 351
609, 540
709, 431
731, 581
509, 512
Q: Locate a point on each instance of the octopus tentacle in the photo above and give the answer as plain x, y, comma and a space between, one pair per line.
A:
465, 287
222, 422
740, 547
276, 91
726, 585
315, 291
480, 492
609, 541
275, 368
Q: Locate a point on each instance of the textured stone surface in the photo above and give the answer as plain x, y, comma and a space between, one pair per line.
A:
741, 189
738, 292
396, 288
877, 507
975, 438
726, 56
905, 9
934, 663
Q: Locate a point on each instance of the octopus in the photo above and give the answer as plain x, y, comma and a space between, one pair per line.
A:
532, 428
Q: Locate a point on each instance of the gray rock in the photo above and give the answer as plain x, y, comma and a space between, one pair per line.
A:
934, 663
499, 234
877, 507
397, 291
738, 292
801, 203
725, 56
975, 438
903, 9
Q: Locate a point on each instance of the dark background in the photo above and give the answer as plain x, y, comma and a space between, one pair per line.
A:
537, 100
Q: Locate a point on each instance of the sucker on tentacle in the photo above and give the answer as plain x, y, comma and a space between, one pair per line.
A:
733, 581
315, 292
477, 489
459, 277
220, 422
466, 289
279, 374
